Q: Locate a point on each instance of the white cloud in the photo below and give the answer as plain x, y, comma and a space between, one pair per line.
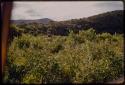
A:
62, 10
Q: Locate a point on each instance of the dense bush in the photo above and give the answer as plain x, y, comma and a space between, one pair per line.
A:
77, 58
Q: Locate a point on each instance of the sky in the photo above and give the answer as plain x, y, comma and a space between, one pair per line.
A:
62, 10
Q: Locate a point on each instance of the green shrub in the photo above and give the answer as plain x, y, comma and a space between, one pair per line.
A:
77, 58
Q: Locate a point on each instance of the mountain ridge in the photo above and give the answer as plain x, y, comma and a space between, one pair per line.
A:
111, 22
43, 20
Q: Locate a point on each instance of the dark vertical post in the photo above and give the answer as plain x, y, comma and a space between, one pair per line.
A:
6, 14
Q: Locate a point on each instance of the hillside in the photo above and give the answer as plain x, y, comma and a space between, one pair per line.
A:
111, 22
108, 22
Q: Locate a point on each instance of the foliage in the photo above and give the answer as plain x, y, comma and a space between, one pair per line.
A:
81, 57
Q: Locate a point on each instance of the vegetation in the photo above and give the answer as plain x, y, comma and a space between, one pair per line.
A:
80, 57
110, 22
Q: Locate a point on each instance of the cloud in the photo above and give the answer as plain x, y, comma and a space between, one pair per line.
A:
110, 5
62, 10
33, 13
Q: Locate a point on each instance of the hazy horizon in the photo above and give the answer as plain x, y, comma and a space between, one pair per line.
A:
60, 11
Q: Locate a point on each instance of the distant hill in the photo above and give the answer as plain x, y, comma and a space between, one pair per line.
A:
106, 22
111, 22
43, 21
